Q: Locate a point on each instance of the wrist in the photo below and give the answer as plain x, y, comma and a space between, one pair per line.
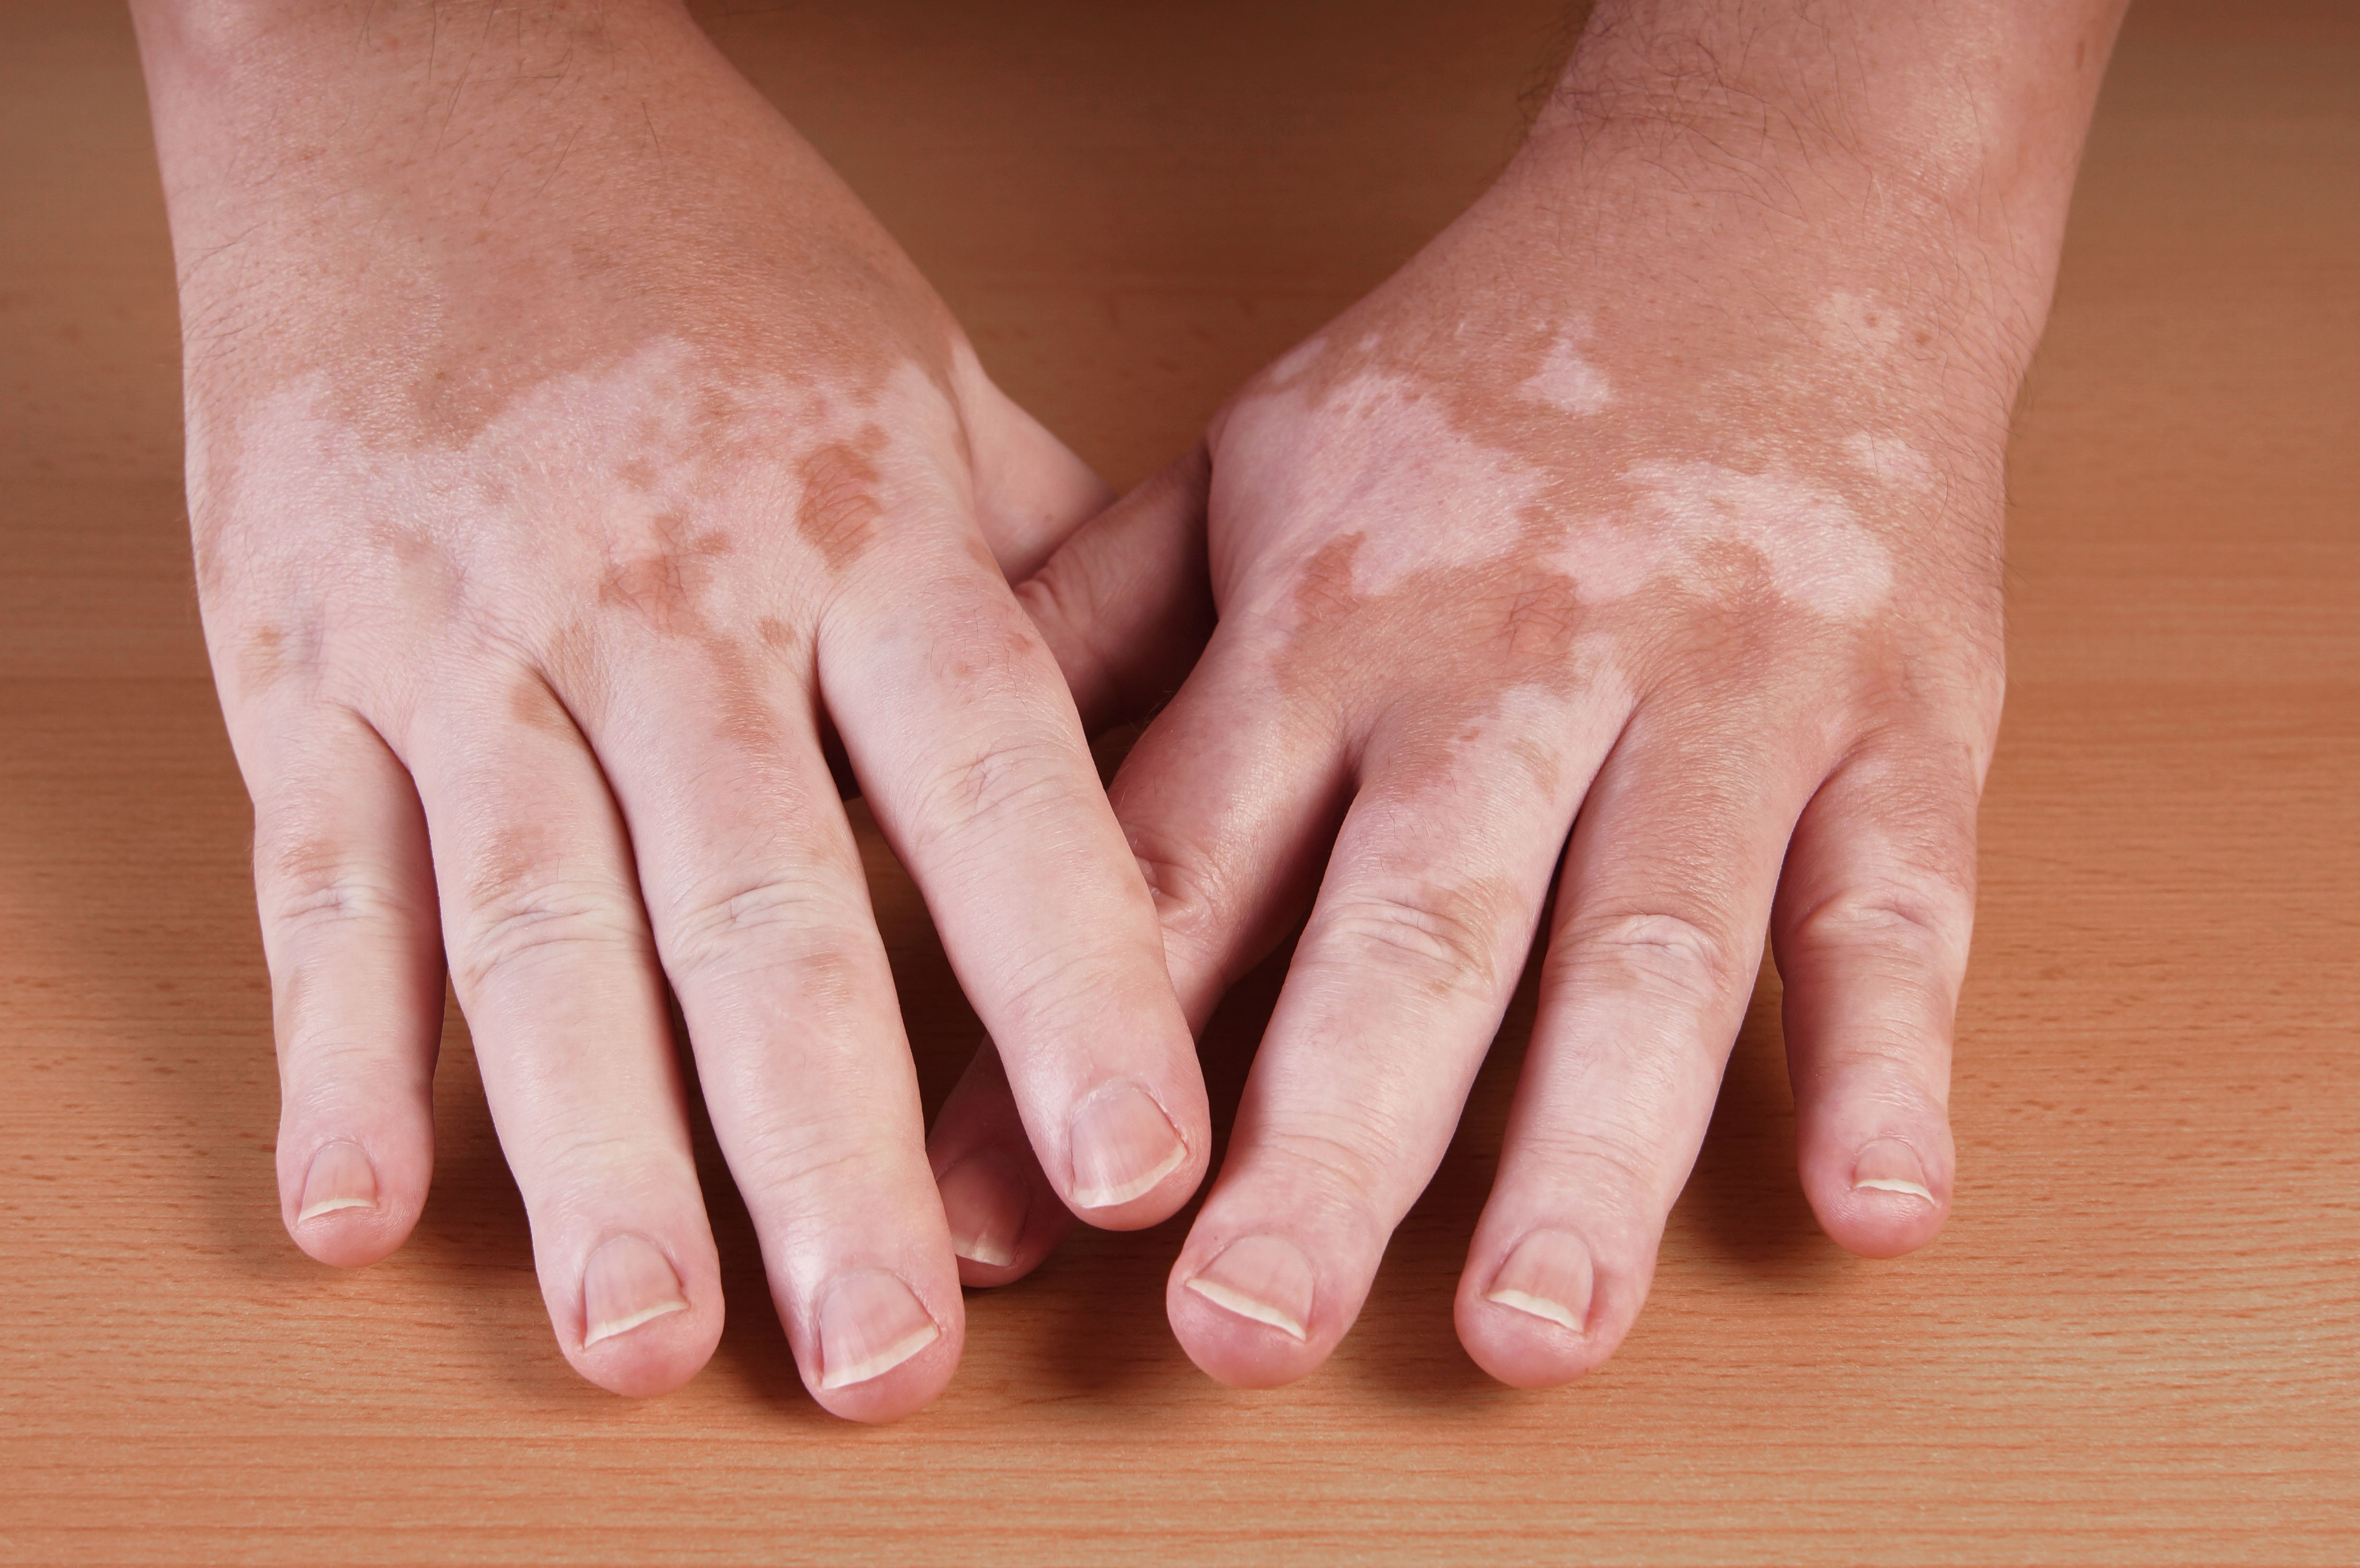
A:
1931, 146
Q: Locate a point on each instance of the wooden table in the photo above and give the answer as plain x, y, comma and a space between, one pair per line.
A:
2138, 1341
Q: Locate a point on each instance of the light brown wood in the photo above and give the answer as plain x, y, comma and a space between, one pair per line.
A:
2137, 1342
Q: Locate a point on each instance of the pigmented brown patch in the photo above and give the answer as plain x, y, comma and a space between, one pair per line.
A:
576, 673
1453, 642
305, 863
532, 704
506, 866
263, 660
665, 585
837, 514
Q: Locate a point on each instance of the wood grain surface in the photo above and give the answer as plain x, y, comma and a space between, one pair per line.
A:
2136, 1342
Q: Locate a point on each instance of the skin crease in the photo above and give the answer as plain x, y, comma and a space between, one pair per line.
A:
1641, 538
571, 460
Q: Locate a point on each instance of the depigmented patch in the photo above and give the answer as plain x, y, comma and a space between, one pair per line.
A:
1808, 539
1567, 381
1889, 460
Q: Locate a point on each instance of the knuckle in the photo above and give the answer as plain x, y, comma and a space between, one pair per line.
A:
798, 1171
583, 1165
544, 919
1448, 937
1682, 955
1006, 790
1927, 919
1345, 1166
316, 894
790, 923
1610, 1174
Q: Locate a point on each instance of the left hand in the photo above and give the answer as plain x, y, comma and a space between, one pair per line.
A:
1639, 526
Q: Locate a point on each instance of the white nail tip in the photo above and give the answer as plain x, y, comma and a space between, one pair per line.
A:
991, 1255
1108, 1197
1537, 1306
630, 1321
884, 1361
1892, 1184
1245, 1306
330, 1205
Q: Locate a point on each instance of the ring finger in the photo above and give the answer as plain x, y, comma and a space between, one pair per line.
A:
552, 964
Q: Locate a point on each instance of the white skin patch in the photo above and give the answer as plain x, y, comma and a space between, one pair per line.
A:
1568, 380
1816, 552
1390, 454
1289, 366
1889, 460
581, 475
1386, 454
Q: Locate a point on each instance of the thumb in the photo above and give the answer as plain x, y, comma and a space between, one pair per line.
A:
1126, 603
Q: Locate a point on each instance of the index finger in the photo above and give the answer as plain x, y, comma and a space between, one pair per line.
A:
968, 747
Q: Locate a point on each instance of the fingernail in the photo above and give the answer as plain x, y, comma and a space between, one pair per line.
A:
341, 1177
626, 1283
869, 1322
1889, 1165
984, 1201
1265, 1277
1123, 1145
1547, 1276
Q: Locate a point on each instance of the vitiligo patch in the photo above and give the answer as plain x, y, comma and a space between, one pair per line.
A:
1568, 381
1421, 494
633, 475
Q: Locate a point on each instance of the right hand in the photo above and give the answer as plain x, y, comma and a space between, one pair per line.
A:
568, 450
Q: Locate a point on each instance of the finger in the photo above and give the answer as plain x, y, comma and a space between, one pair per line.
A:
1228, 801
761, 915
346, 893
1657, 938
969, 749
1031, 491
1031, 495
1126, 605
1003, 1213
1397, 986
550, 959
1872, 925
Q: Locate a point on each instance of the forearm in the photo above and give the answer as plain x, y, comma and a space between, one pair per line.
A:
423, 187
1941, 139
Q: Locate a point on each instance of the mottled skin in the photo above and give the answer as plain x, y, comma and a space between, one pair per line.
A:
1641, 539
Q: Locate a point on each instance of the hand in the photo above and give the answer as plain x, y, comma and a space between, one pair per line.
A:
1641, 534
567, 449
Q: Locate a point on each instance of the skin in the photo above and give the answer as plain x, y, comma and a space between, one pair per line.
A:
1628, 566
571, 460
